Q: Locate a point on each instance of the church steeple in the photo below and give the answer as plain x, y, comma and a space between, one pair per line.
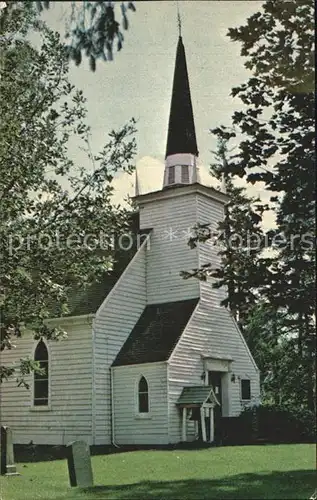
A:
181, 149
181, 129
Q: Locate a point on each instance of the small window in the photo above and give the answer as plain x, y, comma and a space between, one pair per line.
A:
40, 395
171, 175
185, 174
143, 396
245, 389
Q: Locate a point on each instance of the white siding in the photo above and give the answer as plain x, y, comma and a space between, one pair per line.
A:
69, 416
113, 323
169, 253
210, 330
209, 211
129, 428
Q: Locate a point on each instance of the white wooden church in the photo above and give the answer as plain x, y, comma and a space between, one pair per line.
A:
150, 358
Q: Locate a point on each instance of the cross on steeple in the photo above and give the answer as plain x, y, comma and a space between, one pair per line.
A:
179, 21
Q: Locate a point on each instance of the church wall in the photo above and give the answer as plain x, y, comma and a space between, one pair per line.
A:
169, 253
70, 412
129, 427
211, 330
211, 212
113, 323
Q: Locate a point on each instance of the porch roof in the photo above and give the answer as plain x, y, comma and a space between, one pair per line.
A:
197, 396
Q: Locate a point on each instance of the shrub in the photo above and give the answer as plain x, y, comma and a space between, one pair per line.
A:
280, 424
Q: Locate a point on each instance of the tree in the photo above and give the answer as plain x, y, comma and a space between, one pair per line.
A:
240, 236
57, 218
276, 354
92, 28
278, 148
278, 43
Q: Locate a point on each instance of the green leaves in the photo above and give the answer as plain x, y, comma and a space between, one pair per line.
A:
53, 211
278, 46
95, 39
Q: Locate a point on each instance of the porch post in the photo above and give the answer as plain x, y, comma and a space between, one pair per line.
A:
212, 429
203, 423
184, 437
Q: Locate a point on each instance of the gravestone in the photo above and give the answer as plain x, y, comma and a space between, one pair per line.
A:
79, 464
8, 467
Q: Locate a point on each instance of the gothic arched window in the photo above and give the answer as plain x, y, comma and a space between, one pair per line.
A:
143, 396
40, 392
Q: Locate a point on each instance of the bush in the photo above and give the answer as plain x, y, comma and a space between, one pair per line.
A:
280, 424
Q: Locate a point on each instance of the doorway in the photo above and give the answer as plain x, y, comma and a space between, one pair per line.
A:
214, 379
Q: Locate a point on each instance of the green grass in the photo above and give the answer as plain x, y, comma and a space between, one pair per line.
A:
240, 472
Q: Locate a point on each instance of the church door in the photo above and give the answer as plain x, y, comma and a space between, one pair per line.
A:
214, 379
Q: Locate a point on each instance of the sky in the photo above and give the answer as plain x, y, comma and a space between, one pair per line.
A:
138, 82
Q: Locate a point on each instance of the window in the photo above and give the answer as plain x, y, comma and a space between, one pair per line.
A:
40, 395
245, 389
143, 396
171, 175
185, 174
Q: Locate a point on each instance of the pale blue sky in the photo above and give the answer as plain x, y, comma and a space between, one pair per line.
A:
138, 82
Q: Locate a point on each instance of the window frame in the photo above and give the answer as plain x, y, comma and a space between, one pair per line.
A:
138, 414
36, 407
185, 174
249, 389
171, 175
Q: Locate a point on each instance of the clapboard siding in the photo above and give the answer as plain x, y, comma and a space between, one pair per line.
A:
210, 212
129, 429
169, 253
70, 413
211, 330
113, 323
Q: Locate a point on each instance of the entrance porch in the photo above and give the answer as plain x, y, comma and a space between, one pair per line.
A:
198, 403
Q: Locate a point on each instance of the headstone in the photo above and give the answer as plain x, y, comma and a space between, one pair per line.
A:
79, 464
8, 467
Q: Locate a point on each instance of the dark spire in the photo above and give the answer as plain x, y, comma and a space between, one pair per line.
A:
181, 128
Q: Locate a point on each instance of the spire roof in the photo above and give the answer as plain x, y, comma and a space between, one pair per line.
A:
181, 128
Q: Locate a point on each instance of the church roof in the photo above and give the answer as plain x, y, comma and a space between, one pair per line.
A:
181, 129
156, 333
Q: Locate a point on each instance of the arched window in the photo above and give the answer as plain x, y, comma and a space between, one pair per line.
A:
40, 393
143, 396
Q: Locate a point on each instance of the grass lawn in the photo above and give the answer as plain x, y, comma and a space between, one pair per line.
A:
239, 472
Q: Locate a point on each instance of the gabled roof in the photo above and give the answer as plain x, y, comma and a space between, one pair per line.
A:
156, 333
181, 128
197, 395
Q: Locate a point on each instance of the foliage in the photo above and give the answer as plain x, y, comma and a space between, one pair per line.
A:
277, 127
92, 28
285, 373
277, 423
57, 217
278, 43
